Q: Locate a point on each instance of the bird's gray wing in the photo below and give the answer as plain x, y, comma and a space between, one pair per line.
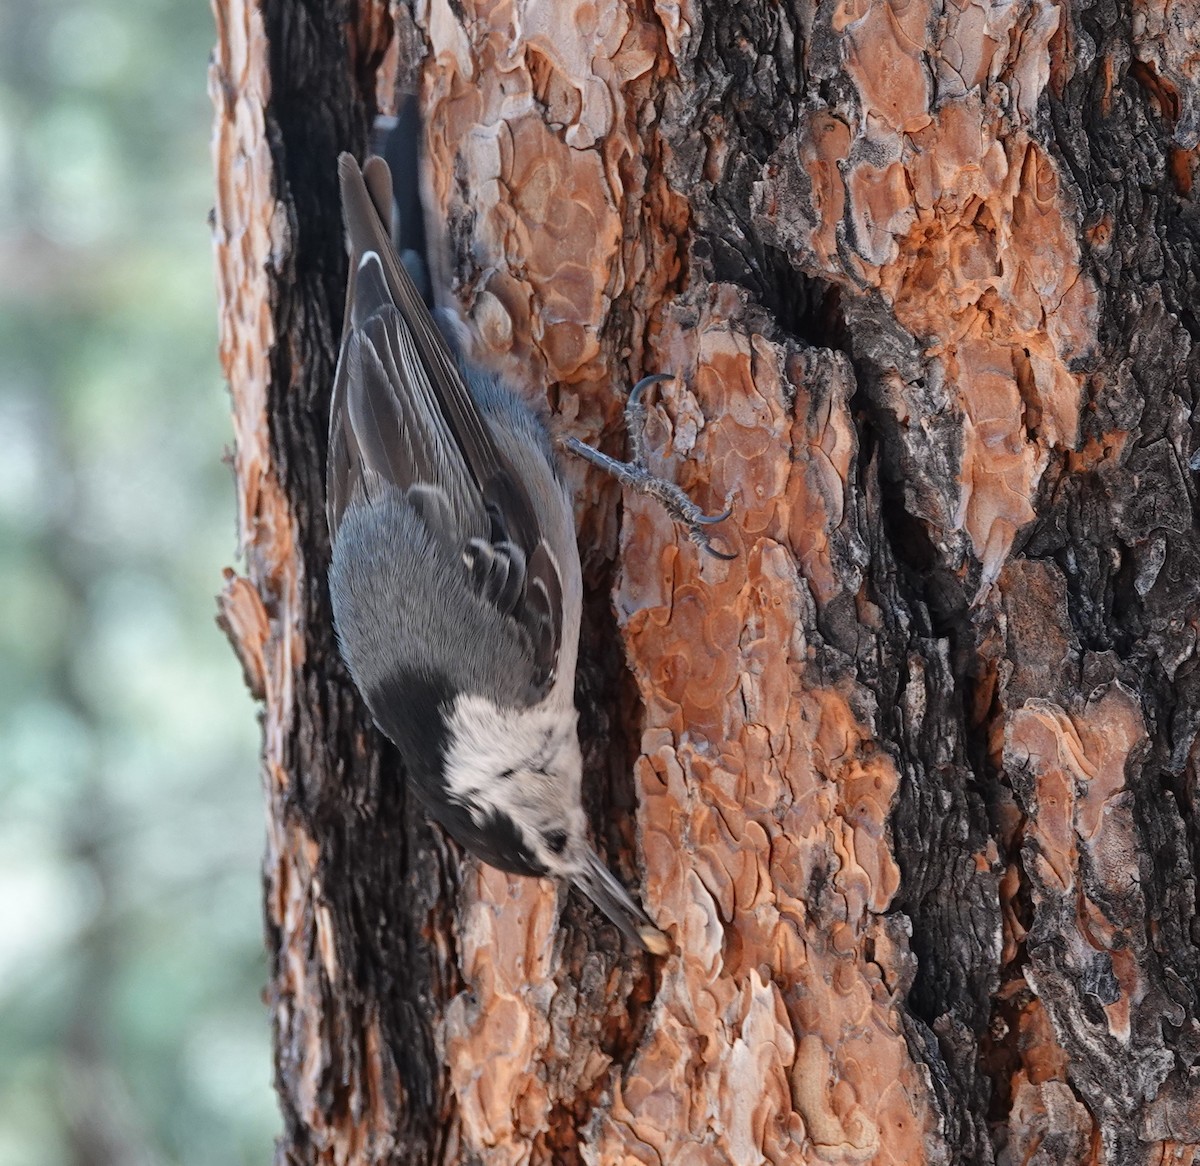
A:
403, 417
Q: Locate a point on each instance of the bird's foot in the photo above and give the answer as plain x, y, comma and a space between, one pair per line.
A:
636, 474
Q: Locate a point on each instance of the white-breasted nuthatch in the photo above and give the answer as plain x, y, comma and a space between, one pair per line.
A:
455, 576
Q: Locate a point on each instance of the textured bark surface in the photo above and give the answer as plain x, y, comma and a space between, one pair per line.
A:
912, 783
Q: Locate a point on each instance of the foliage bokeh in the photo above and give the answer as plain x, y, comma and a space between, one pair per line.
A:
131, 965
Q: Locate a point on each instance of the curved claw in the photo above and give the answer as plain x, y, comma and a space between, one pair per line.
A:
705, 544
712, 519
655, 378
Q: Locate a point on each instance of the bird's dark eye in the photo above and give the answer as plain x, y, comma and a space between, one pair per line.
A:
557, 841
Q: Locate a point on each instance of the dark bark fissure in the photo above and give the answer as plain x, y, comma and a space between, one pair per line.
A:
941, 819
385, 875
750, 70
1121, 537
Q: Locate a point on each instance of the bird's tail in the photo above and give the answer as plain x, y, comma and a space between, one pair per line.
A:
397, 140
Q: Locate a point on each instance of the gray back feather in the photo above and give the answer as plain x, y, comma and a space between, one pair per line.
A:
403, 603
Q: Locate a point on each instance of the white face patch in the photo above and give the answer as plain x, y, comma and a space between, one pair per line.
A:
525, 764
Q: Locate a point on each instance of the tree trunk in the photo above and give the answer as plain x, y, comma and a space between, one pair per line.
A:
912, 782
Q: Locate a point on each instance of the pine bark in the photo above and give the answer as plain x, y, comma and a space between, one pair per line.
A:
912, 782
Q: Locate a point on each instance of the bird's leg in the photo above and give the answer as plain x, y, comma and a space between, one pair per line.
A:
635, 473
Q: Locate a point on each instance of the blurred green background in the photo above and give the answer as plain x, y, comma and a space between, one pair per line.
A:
132, 1028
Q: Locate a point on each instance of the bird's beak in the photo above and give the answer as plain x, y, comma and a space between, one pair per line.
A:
595, 881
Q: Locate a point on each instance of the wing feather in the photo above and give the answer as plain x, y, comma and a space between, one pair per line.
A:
403, 416
368, 233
